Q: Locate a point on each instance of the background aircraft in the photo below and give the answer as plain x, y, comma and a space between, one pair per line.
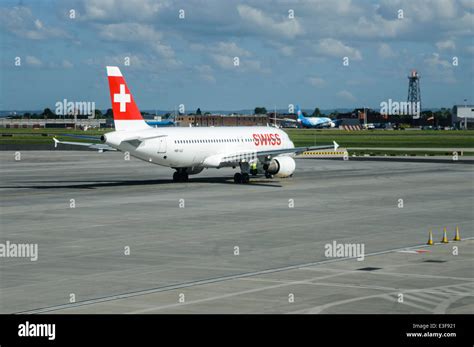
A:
161, 123
313, 122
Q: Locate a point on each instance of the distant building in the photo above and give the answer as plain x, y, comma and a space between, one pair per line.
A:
50, 123
463, 113
349, 121
221, 120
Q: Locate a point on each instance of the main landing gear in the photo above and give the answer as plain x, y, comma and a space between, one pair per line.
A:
241, 178
180, 175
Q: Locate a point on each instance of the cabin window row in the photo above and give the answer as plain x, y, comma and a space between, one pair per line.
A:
213, 141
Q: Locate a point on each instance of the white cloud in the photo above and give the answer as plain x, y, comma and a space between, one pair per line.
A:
284, 48
439, 69
129, 32
231, 48
421, 10
385, 51
67, 64
110, 10
225, 54
224, 61
20, 21
143, 34
286, 27
205, 72
345, 95
376, 27
468, 4
33, 61
165, 51
287, 51
244, 64
315, 81
255, 65
446, 45
140, 62
335, 48
435, 62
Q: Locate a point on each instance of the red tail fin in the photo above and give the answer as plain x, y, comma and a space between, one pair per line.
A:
127, 116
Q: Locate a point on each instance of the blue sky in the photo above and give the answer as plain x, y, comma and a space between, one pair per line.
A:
282, 60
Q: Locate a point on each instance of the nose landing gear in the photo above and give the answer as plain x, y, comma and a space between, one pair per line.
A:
180, 175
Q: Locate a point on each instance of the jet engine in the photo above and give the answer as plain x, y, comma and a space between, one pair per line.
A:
194, 170
280, 167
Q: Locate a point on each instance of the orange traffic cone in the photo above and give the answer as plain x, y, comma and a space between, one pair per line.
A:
430, 239
457, 237
445, 237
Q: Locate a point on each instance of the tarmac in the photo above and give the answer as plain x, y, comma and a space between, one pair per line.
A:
118, 236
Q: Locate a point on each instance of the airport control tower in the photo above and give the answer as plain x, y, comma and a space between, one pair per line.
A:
414, 95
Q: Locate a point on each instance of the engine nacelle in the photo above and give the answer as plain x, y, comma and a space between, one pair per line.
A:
281, 167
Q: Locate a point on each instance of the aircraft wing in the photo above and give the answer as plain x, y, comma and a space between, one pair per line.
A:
99, 146
219, 160
296, 150
85, 137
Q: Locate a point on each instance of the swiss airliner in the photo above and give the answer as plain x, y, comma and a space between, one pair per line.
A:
189, 150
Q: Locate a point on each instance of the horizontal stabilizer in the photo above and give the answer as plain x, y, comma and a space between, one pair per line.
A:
98, 146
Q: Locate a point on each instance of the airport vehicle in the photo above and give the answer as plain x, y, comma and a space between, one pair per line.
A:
189, 150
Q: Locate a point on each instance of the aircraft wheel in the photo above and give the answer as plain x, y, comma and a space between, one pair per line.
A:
176, 176
184, 177
238, 178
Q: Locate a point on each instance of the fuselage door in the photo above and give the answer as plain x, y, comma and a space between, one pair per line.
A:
162, 145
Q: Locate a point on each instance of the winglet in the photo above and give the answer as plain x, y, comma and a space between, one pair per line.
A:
336, 145
55, 142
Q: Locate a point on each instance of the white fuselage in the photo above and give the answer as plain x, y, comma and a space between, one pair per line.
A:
198, 146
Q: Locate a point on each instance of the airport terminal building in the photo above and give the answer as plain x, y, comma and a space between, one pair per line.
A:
463, 116
15, 123
221, 120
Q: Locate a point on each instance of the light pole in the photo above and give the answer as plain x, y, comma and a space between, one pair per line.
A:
465, 110
365, 118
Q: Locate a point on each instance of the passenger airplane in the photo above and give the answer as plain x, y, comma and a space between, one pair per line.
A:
314, 122
160, 123
255, 150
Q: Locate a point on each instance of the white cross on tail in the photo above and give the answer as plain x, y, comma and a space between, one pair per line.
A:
122, 98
